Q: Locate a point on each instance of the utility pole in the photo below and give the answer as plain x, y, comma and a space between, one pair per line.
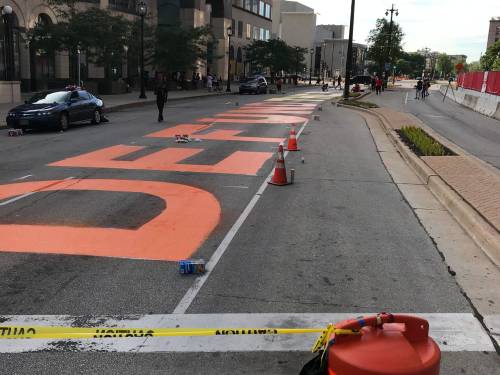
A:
348, 66
311, 51
392, 11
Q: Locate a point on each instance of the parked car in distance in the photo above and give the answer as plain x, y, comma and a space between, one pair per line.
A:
254, 85
361, 80
56, 109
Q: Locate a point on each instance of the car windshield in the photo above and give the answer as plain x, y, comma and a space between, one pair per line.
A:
50, 97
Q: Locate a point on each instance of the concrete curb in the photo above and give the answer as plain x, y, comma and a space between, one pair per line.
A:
478, 228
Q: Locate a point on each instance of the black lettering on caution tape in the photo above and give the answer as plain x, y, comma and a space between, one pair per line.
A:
17, 331
267, 331
120, 332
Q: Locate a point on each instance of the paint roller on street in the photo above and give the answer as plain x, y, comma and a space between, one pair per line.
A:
376, 345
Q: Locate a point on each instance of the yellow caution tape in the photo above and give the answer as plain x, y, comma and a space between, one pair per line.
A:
47, 332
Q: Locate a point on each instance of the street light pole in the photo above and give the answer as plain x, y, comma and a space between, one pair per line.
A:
349, 54
142, 10
392, 11
78, 52
311, 51
297, 49
229, 34
9, 46
323, 53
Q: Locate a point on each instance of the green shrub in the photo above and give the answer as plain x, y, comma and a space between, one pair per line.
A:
425, 144
359, 103
354, 94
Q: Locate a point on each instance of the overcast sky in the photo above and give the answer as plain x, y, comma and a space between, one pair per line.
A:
449, 26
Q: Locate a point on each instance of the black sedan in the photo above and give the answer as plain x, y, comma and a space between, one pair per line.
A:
255, 85
56, 109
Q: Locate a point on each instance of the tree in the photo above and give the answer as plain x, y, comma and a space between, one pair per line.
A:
378, 43
178, 49
411, 64
491, 59
444, 64
96, 32
472, 66
276, 55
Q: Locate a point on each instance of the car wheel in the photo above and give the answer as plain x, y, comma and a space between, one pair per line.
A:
63, 122
96, 117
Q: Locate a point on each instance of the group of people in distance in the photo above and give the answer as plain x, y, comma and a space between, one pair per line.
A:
422, 88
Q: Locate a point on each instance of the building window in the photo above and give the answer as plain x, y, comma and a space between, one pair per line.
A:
255, 6
128, 6
268, 11
248, 5
262, 34
240, 29
262, 8
267, 35
255, 33
249, 31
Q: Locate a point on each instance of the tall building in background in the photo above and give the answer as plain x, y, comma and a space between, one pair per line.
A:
295, 23
494, 33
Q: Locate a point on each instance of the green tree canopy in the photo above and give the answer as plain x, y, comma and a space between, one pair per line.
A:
445, 65
472, 66
491, 59
411, 64
276, 55
378, 43
177, 49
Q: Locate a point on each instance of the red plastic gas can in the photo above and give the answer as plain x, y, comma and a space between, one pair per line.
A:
389, 345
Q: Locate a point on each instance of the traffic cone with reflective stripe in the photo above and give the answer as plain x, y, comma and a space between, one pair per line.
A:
279, 177
292, 141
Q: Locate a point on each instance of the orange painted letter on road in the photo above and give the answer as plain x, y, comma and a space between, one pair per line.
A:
239, 162
190, 216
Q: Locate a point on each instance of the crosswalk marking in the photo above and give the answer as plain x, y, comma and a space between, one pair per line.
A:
453, 332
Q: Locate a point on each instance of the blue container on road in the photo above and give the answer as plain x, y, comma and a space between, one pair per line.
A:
191, 266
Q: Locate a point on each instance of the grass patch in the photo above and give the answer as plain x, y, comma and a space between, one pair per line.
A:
422, 143
359, 103
354, 94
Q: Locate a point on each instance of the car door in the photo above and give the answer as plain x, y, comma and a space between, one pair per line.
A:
87, 105
75, 108
262, 85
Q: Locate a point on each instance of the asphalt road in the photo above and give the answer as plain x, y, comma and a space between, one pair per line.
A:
340, 240
474, 132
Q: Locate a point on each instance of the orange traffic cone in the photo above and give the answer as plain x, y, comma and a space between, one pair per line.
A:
279, 177
292, 141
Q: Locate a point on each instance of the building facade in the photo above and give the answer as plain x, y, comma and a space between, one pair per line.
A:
37, 70
494, 32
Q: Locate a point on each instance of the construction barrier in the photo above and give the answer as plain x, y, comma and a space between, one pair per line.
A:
476, 80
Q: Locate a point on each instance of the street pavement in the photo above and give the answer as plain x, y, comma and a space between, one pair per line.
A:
474, 132
341, 240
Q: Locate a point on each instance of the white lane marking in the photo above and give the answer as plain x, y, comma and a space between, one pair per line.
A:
454, 332
406, 98
23, 178
193, 291
26, 195
16, 199
236, 187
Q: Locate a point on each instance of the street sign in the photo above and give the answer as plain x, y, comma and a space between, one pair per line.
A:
387, 66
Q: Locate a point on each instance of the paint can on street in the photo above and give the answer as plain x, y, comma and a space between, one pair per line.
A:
191, 266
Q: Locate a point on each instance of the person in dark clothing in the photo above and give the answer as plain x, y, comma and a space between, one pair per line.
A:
339, 82
161, 91
419, 88
378, 85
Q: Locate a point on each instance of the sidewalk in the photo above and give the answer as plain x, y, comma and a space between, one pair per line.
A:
475, 182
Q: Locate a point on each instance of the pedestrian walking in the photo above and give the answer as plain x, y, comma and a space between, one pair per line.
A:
373, 83
210, 82
418, 88
161, 91
279, 84
378, 85
339, 82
